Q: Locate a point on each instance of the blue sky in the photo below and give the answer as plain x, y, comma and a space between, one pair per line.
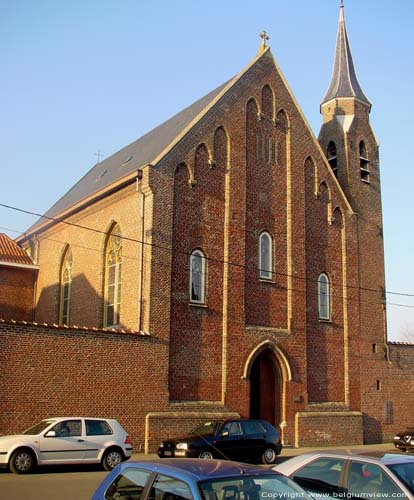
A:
80, 77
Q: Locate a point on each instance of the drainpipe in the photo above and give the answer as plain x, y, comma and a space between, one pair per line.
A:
141, 277
34, 305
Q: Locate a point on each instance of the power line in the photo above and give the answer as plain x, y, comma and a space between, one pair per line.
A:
314, 293
335, 296
212, 259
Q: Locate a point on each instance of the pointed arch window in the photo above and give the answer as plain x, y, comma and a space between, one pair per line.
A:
65, 286
265, 256
113, 277
324, 307
331, 155
197, 277
363, 162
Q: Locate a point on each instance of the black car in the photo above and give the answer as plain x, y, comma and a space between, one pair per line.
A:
405, 440
242, 440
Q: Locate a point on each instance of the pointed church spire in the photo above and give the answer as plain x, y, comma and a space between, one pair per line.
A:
344, 82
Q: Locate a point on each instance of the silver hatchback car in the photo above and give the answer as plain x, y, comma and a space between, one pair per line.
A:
66, 440
352, 474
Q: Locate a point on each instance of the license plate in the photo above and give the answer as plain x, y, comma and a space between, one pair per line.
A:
168, 453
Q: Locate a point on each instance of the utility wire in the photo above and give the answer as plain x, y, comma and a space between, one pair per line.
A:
125, 256
307, 292
212, 259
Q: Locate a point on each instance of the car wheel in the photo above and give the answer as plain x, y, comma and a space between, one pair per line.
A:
22, 461
206, 455
269, 456
112, 458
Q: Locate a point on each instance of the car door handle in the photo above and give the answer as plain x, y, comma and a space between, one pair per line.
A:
81, 440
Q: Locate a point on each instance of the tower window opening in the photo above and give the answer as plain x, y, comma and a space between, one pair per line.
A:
363, 162
331, 154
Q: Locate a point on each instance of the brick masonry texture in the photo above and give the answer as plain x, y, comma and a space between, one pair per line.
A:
249, 165
70, 372
17, 288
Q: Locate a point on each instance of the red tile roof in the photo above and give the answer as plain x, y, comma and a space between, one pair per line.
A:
11, 252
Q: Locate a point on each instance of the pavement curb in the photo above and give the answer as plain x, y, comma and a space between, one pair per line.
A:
292, 452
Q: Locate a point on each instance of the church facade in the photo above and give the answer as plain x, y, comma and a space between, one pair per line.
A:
239, 263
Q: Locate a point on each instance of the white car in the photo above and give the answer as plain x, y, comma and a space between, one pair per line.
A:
66, 440
352, 474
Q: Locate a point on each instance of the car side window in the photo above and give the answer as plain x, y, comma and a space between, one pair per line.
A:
97, 428
128, 485
322, 475
68, 428
370, 480
233, 428
405, 473
253, 428
169, 488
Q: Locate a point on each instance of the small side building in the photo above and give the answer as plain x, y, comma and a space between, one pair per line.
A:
18, 275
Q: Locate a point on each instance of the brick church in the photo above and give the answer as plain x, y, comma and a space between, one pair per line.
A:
226, 263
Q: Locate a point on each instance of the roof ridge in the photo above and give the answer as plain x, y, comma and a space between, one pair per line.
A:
150, 148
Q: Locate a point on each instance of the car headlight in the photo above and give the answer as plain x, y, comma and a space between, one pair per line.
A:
182, 446
396, 437
161, 445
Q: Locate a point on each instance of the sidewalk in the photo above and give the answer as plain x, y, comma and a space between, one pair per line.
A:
384, 447
291, 452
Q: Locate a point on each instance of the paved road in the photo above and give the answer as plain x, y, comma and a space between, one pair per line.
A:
79, 482
51, 483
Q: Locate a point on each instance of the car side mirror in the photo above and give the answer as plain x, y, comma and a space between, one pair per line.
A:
50, 434
224, 434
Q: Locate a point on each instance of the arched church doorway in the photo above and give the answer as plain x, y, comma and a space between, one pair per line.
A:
266, 388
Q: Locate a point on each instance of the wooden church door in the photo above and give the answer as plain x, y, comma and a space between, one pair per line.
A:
265, 389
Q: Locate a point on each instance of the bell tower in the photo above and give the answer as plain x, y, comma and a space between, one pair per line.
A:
351, 149
346, 135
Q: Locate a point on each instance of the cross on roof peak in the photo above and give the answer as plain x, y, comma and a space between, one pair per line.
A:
264, 36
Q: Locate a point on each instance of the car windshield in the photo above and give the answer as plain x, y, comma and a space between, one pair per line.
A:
207, 428
39, 427
253, 487
405, 473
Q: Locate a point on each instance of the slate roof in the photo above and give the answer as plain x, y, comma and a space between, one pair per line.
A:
137, 154
11, 253
149, 149
344, 82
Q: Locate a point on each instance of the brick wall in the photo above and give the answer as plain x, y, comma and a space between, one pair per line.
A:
17, 293
50, 371
329, 428
88, 256
387, 386
223, 213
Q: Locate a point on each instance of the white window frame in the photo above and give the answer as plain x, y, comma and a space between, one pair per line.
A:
324, 307
198, 254
266, 268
